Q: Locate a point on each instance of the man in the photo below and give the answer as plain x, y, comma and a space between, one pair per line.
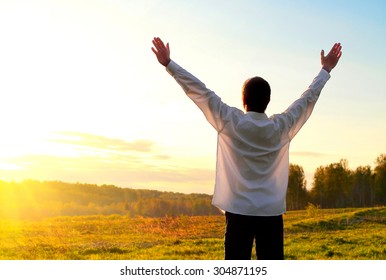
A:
252, 155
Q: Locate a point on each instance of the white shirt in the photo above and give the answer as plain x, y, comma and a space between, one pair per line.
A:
252, 149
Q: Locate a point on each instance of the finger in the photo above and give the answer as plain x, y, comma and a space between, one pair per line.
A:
337, 51
155, 44
167, 46
322, 54
154, 51
158, 46
160, 42
337, 48
333, 49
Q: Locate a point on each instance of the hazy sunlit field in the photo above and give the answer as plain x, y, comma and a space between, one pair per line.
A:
311, 234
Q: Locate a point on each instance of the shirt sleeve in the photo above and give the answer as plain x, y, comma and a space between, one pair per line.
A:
298, 113
216, 112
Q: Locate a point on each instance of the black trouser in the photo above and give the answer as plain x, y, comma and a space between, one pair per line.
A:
241, 230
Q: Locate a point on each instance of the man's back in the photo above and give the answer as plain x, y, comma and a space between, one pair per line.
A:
253, 150
249, 157
252, 155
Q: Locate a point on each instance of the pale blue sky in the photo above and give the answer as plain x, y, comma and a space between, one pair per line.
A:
83, 98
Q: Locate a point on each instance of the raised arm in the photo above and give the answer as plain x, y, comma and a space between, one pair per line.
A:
298, 113
329, 62
216, 112
161, 51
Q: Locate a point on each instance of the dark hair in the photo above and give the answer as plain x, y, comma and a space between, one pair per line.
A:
256, 94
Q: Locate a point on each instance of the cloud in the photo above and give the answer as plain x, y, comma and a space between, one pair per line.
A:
120, 170
102, 160
93, 141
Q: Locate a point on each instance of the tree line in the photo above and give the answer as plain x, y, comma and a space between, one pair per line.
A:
337, 186
334, 186
32, 199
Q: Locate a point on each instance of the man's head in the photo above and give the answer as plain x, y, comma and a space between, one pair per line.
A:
256, 94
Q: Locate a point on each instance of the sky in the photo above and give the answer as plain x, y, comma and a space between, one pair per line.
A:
83, 98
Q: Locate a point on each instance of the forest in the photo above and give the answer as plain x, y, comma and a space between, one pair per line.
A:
337, 186
35, 199
334, 186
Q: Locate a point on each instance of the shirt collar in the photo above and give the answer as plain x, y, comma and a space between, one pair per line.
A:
257, 116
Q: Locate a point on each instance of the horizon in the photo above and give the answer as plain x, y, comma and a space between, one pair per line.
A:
309, 185
84, 99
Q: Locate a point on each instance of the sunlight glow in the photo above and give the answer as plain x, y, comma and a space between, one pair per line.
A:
83, 98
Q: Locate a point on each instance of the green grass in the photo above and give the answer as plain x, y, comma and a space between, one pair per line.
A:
348, 234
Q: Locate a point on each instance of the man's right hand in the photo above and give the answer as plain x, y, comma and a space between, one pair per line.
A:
329, 62
161, 51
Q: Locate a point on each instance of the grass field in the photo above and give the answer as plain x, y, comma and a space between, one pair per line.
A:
347, 234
